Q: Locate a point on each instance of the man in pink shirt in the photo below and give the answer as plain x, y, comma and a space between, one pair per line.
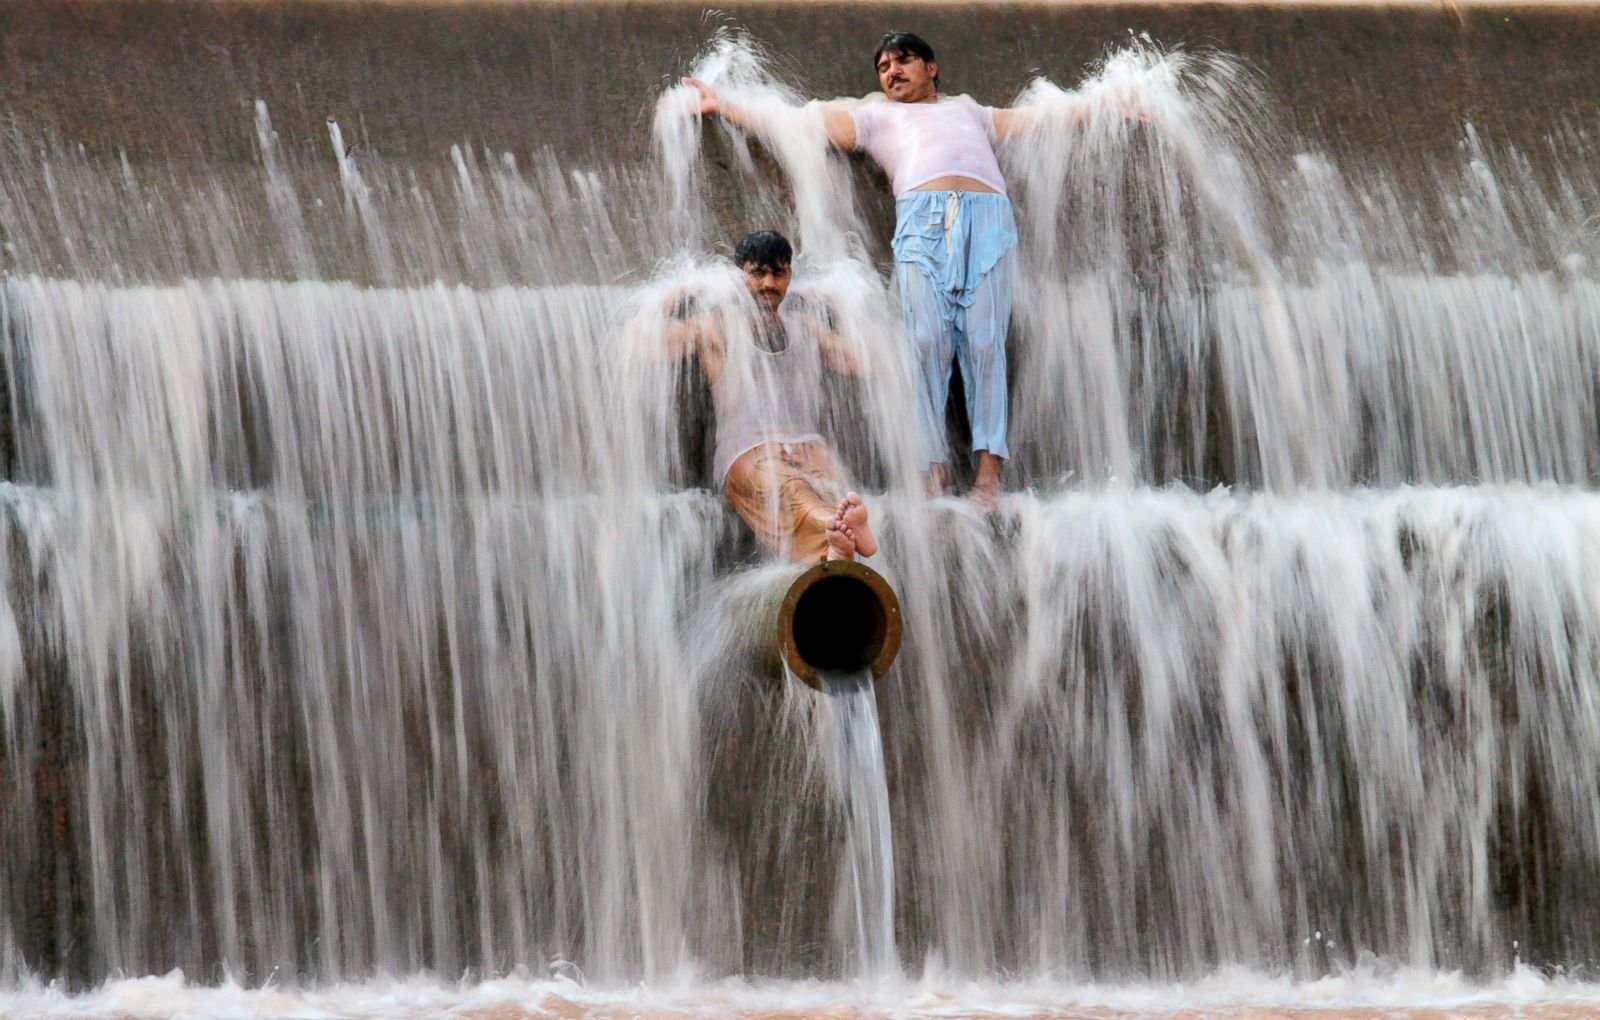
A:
954, 240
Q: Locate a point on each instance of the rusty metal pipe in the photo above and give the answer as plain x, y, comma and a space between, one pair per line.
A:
837, 619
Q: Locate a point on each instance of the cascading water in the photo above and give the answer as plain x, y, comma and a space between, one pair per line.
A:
365, 610
857, 777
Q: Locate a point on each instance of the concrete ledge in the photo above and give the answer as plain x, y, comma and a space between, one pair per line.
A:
171, 79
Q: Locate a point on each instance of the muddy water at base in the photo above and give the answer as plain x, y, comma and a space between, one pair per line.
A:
1365, 993
568, 1009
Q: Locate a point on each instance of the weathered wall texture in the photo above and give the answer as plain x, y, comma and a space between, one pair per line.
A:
159, 78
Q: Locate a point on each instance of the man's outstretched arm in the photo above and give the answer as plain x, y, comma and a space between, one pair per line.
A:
1012, 121
679, 340
841, 128
1017, 121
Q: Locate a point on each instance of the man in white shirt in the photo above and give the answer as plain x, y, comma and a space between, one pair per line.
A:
954, 240
765, 374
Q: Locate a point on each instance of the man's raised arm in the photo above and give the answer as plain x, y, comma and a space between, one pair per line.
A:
1015, 121
686, 328
841, 128
1018, 121
712, 104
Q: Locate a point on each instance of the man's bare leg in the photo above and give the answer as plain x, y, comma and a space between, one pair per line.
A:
986, 486
936, 478
853, 513
841, 544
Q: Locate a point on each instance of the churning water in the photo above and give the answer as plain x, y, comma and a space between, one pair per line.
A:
363, 610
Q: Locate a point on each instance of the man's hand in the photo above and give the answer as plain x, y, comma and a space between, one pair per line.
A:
711, 103
708, 98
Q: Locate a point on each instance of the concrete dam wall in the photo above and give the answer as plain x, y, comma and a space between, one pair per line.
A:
367, 604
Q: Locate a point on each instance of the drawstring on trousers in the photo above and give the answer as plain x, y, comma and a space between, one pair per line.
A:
952, 206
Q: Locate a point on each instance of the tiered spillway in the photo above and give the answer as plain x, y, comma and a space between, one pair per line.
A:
364, 608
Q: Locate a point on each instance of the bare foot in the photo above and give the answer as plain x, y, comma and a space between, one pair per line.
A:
841, 546
986, 487
854, 514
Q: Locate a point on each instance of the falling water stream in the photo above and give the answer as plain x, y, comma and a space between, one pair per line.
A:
369, 637
859, 782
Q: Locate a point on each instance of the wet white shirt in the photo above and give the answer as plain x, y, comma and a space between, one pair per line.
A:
919, 142
768, 396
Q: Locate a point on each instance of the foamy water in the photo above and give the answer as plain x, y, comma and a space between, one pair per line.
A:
1231, 993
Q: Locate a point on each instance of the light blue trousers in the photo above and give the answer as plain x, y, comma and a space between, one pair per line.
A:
954, 262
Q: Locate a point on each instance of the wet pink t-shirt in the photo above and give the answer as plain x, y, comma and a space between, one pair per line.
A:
918, 142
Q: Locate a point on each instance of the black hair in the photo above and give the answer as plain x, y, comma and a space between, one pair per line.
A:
902, 44
767, 249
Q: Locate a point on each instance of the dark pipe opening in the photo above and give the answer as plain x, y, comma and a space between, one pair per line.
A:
839, 620
839, 625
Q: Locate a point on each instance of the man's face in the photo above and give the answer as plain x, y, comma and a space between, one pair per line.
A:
907, 78
768, 284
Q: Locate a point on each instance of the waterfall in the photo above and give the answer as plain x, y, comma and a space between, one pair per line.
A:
364, 595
